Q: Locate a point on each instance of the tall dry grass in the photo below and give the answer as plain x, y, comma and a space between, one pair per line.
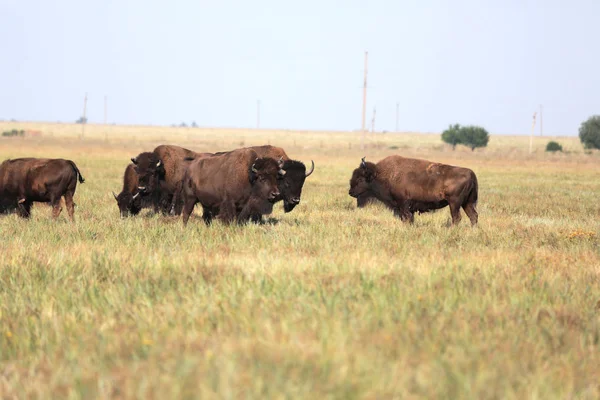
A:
326, 301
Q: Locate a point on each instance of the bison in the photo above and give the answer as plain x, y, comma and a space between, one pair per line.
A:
130, 201
27, 180
160, 175
290, 187
408, 185
234, 184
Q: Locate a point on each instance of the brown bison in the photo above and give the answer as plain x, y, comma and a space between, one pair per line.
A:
290, 187
408, 185
160, 175
130, 201
27, 180
234, 184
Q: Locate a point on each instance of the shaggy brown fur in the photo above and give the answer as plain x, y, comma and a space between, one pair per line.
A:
24, 181
409, 185
229, 185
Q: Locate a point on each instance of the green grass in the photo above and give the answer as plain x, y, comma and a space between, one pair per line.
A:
325, 302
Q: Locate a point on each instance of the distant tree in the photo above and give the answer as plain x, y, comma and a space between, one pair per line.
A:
474, 136
82, 120
452, 135
14, 132
183, 125
553, 146
194, 124
589, 132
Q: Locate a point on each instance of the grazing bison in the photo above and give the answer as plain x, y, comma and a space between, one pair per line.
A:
229, 185
161, 173
130, 201
27, 180
408, 185
291, 185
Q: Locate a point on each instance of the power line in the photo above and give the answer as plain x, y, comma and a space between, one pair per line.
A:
364, 107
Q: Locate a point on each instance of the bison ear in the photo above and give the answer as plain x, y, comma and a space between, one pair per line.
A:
134, 160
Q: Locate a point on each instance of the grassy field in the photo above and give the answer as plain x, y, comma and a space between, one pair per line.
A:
325, 302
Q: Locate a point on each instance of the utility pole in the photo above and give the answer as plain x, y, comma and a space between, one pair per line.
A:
531, 137
541, 120
83, 119
364, 107
105, 100
397, 114
373, 121
257, 114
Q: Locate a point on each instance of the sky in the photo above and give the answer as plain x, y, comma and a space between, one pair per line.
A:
489, 63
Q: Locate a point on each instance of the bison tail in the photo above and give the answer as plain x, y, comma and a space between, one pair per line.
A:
474, 192
79, 176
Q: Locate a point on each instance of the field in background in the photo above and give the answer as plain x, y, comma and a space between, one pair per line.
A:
326, 300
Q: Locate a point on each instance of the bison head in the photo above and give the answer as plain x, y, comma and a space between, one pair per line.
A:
128, 204
362, 178
264, 174
290, 185
149, 169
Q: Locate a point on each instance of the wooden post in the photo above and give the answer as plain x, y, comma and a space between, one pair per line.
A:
373, 121
364, 106
531, 137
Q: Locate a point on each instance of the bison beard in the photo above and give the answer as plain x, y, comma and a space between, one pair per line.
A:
409, 185
24, 181
232, 185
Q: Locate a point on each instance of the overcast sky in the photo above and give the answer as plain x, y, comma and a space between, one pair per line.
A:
162, 62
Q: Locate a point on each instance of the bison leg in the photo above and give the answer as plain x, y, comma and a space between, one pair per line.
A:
70, 205
188, 208
455, 213
227, 212
405, 214
176, 199
471, 212
56, 208
257, 218
24, 209
207, 215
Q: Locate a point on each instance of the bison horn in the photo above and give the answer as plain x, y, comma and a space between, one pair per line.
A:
312, 168
362, 162
115, 196
254, 169
158, 163
281, 172
134, 160
136, 195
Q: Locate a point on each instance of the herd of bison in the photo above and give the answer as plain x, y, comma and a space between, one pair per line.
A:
240, 185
